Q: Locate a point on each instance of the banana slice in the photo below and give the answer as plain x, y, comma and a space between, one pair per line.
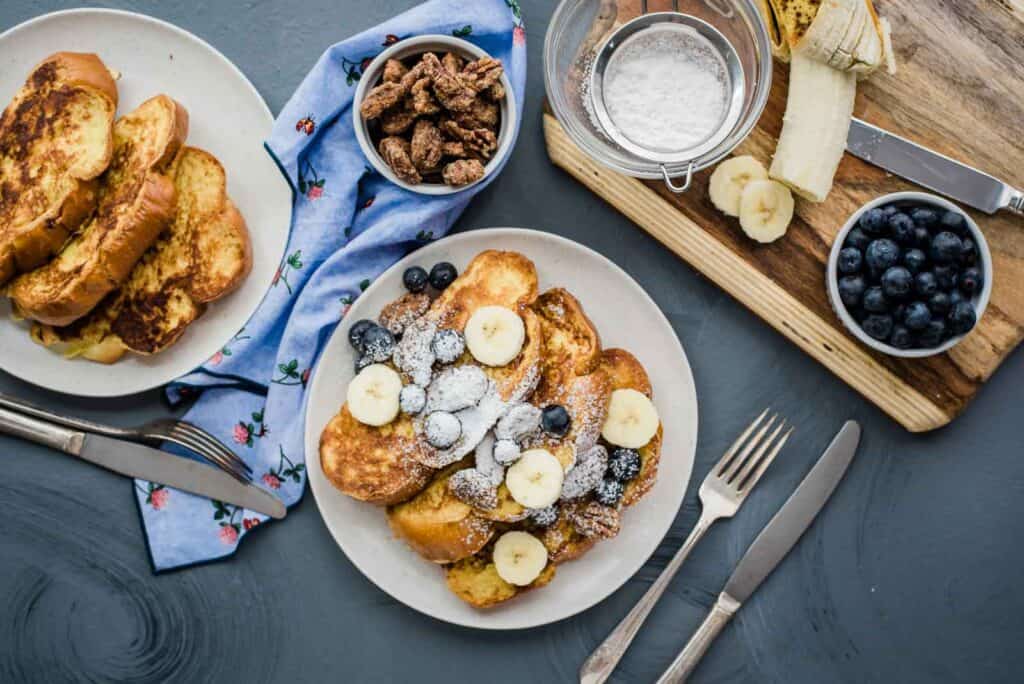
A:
373, 395
729, 179
495, 335
632, 419
519, 558
535, 480
766, 209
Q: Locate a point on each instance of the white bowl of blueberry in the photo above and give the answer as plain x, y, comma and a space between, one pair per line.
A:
910, 274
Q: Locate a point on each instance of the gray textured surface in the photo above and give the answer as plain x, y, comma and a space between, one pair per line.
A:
911, 575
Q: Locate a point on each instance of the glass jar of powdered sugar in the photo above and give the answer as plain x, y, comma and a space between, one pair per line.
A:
658, 95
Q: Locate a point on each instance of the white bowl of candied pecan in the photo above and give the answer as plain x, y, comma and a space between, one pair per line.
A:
435, 114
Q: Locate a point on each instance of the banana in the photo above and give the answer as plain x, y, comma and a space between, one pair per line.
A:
519, 557
814, 130
766, 210
495, 335
535, 480
632, 419
729, 179
373, 395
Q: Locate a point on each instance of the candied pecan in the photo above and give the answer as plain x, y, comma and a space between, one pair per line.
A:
451, 90
594, 520
496, 93
482, 74
454, 149
479, 140
463, 172
423, 102
426, 146
381, 98
395, 152
403, 311
453, 62
418, 71
480, 115
394, 70
397, 120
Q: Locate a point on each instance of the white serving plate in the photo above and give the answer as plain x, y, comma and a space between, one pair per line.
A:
227, 117
626, 317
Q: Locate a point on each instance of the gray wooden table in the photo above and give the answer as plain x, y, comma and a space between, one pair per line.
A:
912, 574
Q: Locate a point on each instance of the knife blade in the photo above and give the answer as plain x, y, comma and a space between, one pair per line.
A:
137, 460
784, 530
931, 170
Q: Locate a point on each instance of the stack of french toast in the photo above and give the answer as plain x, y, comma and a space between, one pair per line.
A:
488, 419
114, 234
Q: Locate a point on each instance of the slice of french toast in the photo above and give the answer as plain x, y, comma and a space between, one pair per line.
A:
204, 256
137, 202
476, 581
56, 138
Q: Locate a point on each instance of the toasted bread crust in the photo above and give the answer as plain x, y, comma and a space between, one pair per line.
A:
47, 186
137, 204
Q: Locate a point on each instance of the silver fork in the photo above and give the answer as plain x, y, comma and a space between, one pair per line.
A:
723, 491
178, 432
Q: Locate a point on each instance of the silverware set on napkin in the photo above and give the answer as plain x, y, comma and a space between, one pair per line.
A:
722, 493
129, 451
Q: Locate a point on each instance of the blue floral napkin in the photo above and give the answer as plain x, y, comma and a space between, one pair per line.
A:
348, 225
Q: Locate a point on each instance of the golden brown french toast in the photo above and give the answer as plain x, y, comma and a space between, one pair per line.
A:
55, 140
204, 256
137, 202
476, 581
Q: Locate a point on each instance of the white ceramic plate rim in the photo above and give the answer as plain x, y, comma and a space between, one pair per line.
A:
650, 520
223, 319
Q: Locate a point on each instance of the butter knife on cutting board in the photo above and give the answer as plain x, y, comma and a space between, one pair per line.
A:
136, 460
932, 170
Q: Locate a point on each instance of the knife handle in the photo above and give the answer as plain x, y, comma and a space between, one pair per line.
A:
1016, 203
41, 432
685, 663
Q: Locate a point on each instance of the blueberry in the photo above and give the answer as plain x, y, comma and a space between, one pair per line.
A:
962, 318
878, 326
945, 248
968, 252
947, 276
624, 464
924, 217
362, 362
857, 238
914, 260
889, 209
922, 237
872, 221
609, 492
926, 284
955, 297
356, 332
378, 343
899, 312
918, 316
953, 221
851, 289
940, 303
880, 255
555, 420
933, 335
875, 301
971, 281
544, 517
897, 282
412, 399
447, 345
442, 275
415, 279
901, 228
901, 337
850, 260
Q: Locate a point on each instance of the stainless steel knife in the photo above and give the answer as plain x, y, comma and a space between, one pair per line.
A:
771, 546
932, 170
136, 460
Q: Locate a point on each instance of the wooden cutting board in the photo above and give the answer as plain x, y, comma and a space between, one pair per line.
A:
960, 91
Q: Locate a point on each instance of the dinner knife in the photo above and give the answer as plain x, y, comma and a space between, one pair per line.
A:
771, 546
136, 460
932, 170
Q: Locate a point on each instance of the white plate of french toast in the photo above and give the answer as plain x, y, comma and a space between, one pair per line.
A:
141, 220
501, 430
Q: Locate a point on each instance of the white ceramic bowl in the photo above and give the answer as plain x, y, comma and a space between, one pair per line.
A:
980, 300
409, 47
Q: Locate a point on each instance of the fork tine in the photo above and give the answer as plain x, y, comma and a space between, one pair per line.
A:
754, 442
186, 440
753, 461
204, 437
727, 458
748, 483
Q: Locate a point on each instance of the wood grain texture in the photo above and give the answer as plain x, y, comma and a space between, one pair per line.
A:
958, 91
